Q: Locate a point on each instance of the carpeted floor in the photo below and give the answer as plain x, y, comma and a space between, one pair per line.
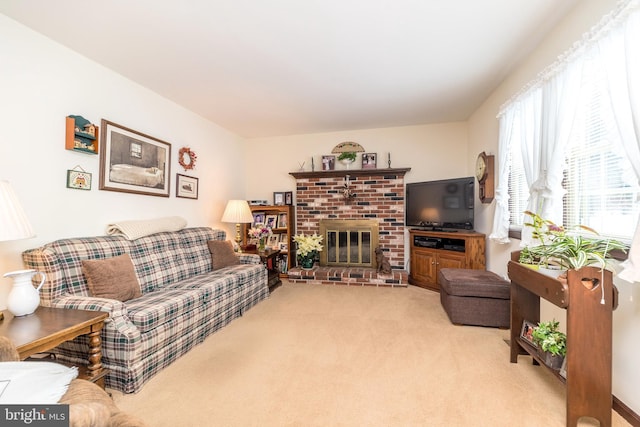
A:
317, 355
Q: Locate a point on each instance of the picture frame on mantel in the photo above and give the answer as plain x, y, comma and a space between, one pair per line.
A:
132, 162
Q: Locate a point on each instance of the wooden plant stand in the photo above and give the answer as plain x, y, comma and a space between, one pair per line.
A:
589, 336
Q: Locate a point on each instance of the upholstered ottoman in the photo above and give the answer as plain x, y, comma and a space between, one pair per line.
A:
475, 297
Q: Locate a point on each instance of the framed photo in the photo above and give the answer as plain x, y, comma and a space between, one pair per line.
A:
282, 246
328, 163
132, 162
526, 331
278, 198
369, 160
186, 186
288, 198
272, 242
78, 180
271, 221
258, 218
282, 220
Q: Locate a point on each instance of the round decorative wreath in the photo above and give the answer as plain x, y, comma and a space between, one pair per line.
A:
187, 158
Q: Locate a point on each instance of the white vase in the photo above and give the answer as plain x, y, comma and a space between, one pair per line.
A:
347, 162
24, 298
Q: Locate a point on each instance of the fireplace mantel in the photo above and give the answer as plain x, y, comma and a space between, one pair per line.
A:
350, 172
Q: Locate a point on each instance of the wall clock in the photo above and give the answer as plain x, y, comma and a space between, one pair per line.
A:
485, 176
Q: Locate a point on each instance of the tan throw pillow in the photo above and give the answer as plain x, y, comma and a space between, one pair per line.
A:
113, 278
222, 254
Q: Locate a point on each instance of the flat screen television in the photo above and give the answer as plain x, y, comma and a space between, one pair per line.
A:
440, 205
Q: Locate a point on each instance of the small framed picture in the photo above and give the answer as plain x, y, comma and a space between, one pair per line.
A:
278, 198
272, 242
282, 246
258, 218
328, 163
271, 221
527, 331
78, 180
186, 186
369, 160
288, 198
282, 220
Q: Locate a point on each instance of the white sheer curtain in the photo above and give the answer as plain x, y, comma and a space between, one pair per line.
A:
530, 148
500, 232
560, 96
543, 114
619, 54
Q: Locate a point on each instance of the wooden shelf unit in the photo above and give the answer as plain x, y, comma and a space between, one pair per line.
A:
70, 138
432, 250
288, 232
589, 332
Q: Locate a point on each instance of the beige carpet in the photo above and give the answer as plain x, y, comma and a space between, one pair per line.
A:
317, 355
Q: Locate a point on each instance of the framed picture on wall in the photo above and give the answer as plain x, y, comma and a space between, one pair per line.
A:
132, 162
288, 198
186, 186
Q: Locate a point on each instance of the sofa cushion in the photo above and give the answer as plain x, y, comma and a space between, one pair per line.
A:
222, 254
113, 278
166, 305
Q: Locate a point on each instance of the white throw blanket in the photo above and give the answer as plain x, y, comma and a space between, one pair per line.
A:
139, 228
34, 382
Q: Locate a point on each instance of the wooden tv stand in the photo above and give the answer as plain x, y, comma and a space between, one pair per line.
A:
432, 250
589, 336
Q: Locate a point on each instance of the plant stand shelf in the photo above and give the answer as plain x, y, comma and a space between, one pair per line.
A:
589, 336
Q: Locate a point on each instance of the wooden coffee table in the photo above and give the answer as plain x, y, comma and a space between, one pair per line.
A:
49, 327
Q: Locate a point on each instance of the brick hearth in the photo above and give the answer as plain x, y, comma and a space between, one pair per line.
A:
379, 196
352, 276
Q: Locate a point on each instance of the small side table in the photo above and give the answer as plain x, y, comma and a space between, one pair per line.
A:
49, 327
269, 259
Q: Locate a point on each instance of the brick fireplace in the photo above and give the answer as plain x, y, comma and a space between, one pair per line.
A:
375, 195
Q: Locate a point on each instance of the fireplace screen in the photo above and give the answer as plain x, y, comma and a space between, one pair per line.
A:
349, 242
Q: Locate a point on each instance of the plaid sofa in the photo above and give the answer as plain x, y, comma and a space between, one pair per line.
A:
183, 301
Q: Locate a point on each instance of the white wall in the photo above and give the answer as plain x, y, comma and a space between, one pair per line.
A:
41, 82
434, 151
483, 135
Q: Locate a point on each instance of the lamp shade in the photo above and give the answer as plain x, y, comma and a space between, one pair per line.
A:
14, 224
237, 212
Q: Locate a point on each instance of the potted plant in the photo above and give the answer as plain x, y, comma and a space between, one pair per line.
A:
570, 249
527, 259
308, 249
347, 157
551, 342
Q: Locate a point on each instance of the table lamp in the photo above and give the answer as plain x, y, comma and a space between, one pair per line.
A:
238, 212
14, 224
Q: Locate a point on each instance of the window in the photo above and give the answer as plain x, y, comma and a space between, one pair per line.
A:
601, 187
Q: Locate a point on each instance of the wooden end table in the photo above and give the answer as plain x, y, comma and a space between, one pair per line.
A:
49, 327
269, 258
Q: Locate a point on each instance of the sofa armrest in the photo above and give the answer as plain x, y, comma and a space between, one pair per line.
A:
118, 317
249, 258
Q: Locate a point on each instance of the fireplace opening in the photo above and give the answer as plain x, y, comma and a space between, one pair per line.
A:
349, 243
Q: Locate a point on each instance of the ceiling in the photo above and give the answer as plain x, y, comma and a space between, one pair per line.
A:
281, 67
